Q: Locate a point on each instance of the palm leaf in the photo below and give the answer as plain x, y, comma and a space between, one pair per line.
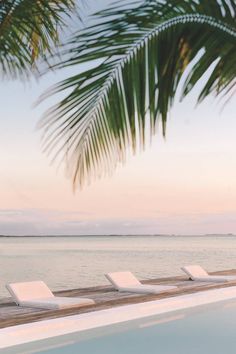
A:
29, 30
137, 56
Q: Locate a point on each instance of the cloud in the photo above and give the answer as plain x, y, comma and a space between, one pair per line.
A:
10, 212
38, 221
32, 214
56, 222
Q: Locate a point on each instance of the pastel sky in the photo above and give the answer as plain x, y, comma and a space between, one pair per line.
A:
184, 185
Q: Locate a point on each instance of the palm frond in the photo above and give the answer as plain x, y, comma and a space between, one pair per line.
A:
137, 56
29, 30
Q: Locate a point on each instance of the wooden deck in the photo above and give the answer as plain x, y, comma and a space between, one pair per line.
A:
105, 297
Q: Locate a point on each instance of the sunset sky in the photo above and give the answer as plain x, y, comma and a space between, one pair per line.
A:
184, 185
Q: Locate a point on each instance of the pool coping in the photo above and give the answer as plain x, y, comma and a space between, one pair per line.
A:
30, 332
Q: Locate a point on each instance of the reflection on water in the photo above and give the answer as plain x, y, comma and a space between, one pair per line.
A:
72, 262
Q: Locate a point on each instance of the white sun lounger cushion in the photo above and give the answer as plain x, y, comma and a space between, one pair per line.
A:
37, 294
29, 291
196, 272
57, 303
122, 279
126, 281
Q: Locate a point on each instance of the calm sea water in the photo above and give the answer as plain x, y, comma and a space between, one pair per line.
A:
72, 262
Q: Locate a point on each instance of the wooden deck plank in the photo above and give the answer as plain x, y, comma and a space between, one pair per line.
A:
105, 297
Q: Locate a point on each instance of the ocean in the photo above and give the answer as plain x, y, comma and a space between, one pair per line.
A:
73, 262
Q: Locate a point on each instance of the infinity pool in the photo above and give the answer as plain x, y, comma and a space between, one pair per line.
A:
204, 329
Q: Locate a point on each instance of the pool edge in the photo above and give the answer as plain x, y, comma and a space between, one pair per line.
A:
26, 333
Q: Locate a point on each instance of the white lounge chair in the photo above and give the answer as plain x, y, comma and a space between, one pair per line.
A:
37, 294
196, 272
126, 281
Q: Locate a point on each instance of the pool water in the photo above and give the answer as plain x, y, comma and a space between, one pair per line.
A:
208, 329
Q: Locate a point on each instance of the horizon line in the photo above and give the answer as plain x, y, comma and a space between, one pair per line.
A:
122, 235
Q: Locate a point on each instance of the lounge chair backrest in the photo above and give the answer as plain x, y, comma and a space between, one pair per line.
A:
122, 279
195, 271
29, 291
